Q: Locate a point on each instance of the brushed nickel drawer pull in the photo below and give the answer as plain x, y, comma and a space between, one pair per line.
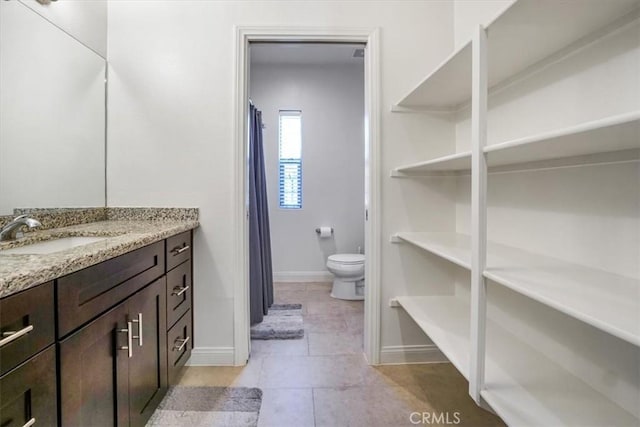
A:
178, 250
29, 423
129, 346
10, 336
183, 342
139, 322
179, 290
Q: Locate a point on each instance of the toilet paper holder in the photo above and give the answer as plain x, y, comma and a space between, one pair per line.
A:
318, 230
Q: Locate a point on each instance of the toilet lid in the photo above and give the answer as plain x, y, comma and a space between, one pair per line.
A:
347, 258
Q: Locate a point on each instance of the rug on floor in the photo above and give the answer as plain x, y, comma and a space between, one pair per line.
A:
208, 406
283, 322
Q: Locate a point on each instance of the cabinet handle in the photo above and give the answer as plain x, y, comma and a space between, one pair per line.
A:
29, 423
10, 336
182, 341
139, 322
178, 250
179, 290
129, 346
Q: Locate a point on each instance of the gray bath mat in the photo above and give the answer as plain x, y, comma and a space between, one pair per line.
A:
283, 322
208, 406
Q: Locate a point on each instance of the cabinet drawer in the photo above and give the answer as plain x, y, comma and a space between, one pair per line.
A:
28, 316
178, 249
87, 293
28, 393
179, 346
178, 292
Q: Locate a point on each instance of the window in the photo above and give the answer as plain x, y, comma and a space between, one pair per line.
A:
290, 160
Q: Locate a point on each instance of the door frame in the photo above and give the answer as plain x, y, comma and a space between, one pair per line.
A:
244, 35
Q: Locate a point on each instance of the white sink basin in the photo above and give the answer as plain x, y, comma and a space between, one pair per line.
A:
51, 246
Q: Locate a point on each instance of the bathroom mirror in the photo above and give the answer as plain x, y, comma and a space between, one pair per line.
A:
52, 114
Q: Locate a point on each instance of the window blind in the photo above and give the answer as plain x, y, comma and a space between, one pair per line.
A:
290, 159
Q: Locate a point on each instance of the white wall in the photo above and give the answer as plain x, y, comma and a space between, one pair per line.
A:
84, 20
331, 98
52, 103
171, 128
468, 14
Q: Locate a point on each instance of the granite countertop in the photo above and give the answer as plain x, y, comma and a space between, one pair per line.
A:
22, 271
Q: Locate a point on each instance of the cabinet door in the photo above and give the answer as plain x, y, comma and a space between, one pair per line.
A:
94, 373
148, 366
28, 393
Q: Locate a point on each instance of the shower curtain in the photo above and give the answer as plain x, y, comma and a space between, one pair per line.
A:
260, 271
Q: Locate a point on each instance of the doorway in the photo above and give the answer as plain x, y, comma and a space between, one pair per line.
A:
367, 40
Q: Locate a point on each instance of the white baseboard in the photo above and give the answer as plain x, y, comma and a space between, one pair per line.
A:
211, 356
400, 354
302, 276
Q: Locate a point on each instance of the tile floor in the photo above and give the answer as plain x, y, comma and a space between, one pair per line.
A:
323, 379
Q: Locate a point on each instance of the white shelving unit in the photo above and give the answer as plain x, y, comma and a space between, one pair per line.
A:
452, 163
545, 27
621, 132
520, 381
570, 288
446, 320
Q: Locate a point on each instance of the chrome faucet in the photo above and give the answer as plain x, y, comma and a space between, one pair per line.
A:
10, 230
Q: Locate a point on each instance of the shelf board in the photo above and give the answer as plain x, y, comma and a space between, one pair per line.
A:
544, 393
446, 87
531, 30
451, 163
547, 394
445, 319
616, 133
605, 300
453, 247
526, 33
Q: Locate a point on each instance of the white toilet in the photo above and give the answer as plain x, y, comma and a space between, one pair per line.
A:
348, 270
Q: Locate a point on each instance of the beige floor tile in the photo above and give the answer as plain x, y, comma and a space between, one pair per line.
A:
364, 406
312, 371
325, 323
321, 344
355, 323
320, 295
288, 286
332, 307
290, 297
223, 376
319, 286
286, 407
440, 388
296, 347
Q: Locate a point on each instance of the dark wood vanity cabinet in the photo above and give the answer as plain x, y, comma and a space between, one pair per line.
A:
100, 346
28, 394
179, 303
115, 368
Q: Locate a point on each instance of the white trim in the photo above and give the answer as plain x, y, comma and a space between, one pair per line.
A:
370, 36
211, 356
478, 213
402, 354
302, 276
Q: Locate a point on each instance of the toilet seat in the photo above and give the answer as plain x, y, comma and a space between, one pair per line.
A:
347, 259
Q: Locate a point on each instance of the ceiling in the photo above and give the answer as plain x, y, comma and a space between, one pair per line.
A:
304, 53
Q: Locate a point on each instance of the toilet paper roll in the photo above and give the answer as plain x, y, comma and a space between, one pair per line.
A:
325, 232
